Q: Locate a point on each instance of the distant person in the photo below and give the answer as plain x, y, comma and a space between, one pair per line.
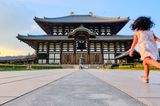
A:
81, 63
146, 41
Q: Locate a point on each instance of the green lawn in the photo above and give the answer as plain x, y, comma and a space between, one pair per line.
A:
138, 66
4, 67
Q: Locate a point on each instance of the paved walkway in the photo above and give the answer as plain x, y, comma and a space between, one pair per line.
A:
129, 82
77, 89
71, 87
16, 83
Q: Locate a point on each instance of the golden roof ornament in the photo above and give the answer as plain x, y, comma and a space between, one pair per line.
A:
71, 13
91, 13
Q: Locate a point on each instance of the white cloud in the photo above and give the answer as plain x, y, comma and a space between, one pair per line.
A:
15, 18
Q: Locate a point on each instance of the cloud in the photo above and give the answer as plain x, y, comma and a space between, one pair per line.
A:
15, 18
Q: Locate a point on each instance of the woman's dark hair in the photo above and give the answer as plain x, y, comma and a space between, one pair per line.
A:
142, 23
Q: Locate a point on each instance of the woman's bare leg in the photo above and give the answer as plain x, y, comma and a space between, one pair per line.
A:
149, 60
146, 70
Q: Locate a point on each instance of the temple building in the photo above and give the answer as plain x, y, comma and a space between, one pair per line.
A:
69, 38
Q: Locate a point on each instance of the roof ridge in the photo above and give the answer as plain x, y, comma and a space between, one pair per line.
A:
95, 16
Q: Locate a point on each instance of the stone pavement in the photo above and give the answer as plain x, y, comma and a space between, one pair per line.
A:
129, 82
17, 83
76, 88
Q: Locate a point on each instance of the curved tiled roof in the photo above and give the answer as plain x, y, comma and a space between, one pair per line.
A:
81, 19
9, 58
60, 37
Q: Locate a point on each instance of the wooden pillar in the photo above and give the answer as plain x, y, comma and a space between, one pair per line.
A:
102, 56
37, 51
47, 59
74, 47
115, 51
61, 46
89, 56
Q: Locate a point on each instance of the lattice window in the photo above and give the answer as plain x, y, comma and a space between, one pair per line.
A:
118, 47
66, 31
105, 47
108, 30
42, 61
60, 31
71, 47
92, 47
65, 47
57, 48
96, 30
111, 56
51, 47
43, 47
51, 56
57, 61
40, 46
111, 47
54, 58
57, 56
51, 61
122, 47
102, 31
98, 47
105, 56
54, 30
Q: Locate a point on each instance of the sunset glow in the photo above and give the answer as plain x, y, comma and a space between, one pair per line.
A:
11, 52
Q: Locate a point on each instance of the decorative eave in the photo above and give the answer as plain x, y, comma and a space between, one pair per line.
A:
82, 29
17, 58
40, 38
32, 40
82, 19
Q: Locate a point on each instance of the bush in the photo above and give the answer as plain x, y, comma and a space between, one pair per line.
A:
46, 67
108, 67
139, 66
124, 67
26, 67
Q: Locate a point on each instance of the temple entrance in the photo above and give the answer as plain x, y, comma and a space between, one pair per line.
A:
96, 58
67, 58
84, 57
93, 58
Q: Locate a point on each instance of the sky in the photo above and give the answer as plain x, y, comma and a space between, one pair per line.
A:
16, 17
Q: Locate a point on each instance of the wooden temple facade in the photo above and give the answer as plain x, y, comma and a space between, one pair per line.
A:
69, 38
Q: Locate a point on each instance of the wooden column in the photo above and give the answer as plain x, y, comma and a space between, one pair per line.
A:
102, 56
74, 49
37, 51
89, 56
61, 46
115, 51
47, 59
